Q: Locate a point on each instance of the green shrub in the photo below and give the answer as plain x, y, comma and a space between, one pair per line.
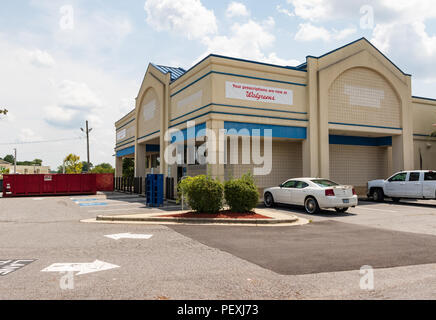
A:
203, 194
241, 194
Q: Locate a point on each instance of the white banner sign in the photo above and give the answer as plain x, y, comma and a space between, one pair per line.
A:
258, 93
121, 134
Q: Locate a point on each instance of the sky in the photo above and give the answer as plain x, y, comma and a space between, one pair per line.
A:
64, 62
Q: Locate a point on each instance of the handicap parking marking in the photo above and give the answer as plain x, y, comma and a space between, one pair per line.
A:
12, 265
93, 204
84, 199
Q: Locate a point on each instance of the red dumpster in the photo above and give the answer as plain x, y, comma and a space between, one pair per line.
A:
16, 185
105, 181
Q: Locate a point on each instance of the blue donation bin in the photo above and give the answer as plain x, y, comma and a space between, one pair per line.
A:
155, 190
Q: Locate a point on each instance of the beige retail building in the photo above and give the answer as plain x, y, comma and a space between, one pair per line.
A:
348, 115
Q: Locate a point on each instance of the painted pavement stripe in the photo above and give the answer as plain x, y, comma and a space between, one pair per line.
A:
93, 204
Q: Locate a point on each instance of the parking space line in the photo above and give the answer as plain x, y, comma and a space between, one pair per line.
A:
130, 209
373, 209
108, 210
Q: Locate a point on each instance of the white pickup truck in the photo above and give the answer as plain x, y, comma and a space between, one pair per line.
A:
417, 184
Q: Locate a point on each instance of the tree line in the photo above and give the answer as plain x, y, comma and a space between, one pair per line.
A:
72, 164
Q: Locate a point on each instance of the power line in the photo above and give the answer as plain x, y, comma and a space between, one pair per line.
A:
40, 141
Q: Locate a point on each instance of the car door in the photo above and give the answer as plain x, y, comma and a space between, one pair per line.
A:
299, 193
395, 186
429, 184
285, 191
413, 187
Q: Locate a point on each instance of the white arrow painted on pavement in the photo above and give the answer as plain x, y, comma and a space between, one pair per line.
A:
128, 236
82, 268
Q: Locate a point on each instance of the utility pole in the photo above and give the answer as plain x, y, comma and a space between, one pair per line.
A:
15, 160
87, 131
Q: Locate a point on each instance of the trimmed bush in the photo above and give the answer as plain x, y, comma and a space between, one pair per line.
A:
241, 194
203, 194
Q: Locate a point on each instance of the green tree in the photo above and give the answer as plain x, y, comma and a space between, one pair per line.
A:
85, 167
4, 171
9, 158
73, 164
128, 167
37, 162
103, 168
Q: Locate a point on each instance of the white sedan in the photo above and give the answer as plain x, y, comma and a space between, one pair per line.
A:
312, 193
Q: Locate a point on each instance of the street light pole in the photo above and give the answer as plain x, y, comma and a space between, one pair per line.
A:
15, 160
87, 131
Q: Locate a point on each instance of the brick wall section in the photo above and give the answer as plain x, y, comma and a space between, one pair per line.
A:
356, 165
354, 97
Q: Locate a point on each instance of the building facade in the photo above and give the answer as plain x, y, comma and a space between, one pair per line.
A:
24, 169
348, 115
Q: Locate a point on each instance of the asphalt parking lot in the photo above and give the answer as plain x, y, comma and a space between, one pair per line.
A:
318, 260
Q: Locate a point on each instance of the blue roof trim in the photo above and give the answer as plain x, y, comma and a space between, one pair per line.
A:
125, 124
125, 115
147, 135
236, 106
364, 125
175, 73
126, 151
353, 42
197, 131
256, 62
236, 75
423, 135
416, 97
360, 141
237, 114
242, 60
122, 141
290, 132
121, 145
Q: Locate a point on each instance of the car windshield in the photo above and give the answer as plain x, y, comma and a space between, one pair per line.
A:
324, 183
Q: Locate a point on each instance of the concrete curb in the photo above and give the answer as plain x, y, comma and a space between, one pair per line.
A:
197, 220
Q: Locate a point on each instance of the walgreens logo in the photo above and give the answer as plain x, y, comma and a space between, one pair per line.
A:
243, 91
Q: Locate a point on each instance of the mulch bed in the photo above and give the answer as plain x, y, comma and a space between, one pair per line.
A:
221, 215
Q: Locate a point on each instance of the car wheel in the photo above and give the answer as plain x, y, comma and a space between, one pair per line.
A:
378, 195
396, 200
268, 200
341, 210
311, 205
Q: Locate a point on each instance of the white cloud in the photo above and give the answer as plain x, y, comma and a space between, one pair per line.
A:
250, 40
27, 135
76, 103
236, 9
344, 33
272, 58
77, 95
309, 32
312, 9
287, 12
247, 40
188, 17
39, 58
